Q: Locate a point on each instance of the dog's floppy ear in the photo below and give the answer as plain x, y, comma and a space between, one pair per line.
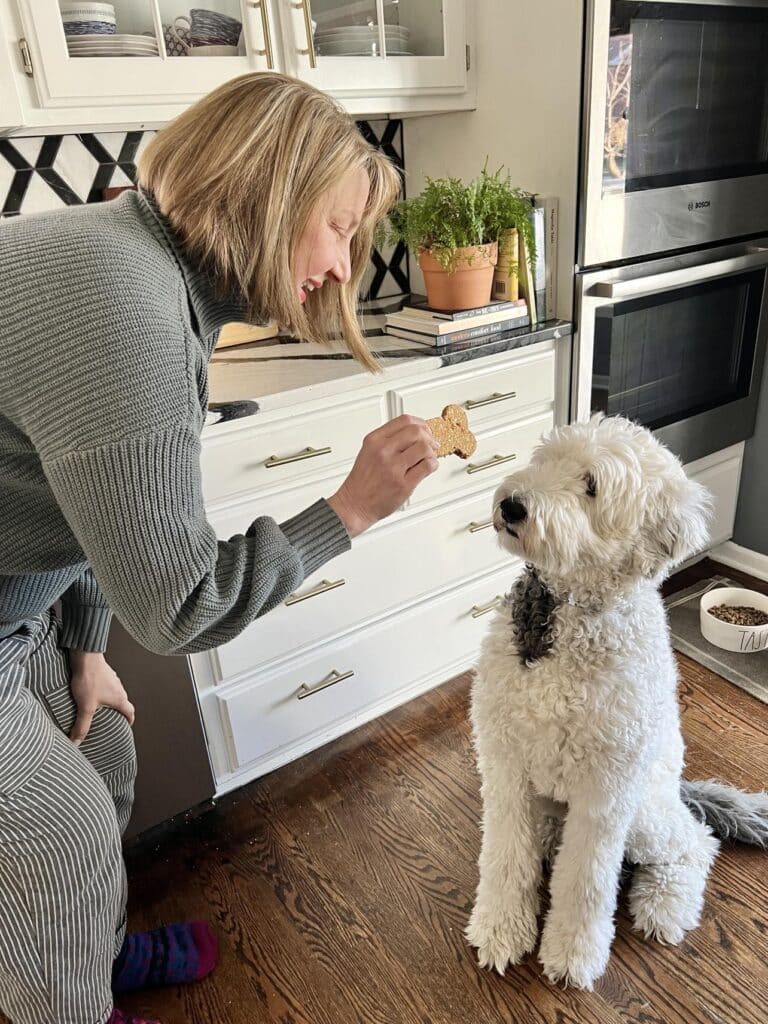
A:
690, 532
678, 528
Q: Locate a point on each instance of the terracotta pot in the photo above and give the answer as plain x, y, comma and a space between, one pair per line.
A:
466, 286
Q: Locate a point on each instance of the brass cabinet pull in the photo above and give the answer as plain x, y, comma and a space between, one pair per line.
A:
321, 588
477, 527
333, 677
267, 52
495, 461
497, 396
308, 453
483, 609
304, 6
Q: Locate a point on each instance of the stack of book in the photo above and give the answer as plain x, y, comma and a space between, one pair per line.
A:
419, 322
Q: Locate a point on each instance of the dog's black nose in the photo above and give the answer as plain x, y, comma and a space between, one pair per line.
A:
512, 511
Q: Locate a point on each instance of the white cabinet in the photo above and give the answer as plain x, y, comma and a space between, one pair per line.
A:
385, 48
720, 473
405, 608
377, 56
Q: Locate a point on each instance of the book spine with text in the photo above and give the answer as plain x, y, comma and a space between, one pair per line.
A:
457, 314
470, 334
526, 281
550, 206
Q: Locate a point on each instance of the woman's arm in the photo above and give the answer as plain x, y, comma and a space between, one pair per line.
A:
86, 616
137, 510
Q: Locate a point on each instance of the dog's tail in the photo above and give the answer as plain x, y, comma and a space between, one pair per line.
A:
731, 813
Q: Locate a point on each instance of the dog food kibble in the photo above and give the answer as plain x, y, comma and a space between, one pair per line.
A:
739, 615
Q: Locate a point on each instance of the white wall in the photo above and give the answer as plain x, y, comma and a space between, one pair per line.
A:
528, 59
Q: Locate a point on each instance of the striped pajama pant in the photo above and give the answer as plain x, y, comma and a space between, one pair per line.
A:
62, 813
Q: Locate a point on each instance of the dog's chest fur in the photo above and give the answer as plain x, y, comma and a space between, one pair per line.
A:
560, 681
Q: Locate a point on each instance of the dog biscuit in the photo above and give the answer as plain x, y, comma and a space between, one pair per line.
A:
451, 429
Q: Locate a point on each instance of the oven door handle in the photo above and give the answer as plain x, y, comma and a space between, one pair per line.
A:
757, 256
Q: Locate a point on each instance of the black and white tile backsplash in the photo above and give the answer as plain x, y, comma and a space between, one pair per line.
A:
47, 172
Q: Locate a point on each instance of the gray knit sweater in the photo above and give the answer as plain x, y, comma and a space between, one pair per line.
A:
105, 335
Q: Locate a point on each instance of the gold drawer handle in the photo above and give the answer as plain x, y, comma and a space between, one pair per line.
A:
477, 527
497, 396
308, 453
333, 677
321, 588
495, 461
267, 51
483, 609
303, 5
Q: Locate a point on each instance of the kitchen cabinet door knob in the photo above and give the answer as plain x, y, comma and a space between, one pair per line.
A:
333, 677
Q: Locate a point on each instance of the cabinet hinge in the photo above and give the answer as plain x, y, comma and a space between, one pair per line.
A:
26, 58
468, 51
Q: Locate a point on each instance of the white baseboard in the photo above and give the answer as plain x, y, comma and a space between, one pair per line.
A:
741, 558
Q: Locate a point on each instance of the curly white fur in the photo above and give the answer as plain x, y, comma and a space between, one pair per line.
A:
577, 715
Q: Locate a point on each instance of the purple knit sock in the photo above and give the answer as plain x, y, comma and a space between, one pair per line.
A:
171, 955
120, 1018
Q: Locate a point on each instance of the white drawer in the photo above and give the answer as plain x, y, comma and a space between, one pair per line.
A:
385, 570
500, 451
499, 391
276, 454
337, 684
236, 518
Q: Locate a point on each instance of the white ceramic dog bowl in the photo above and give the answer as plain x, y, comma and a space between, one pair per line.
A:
728, 635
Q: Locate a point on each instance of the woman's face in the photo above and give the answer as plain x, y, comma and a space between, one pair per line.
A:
323, 250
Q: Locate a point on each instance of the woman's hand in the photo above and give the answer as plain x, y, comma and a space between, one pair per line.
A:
393, 460
94, 684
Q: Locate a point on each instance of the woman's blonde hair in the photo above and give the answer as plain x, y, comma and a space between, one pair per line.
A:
239, 175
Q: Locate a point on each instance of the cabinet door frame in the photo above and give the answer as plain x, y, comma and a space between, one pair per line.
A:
118, 82
380, 76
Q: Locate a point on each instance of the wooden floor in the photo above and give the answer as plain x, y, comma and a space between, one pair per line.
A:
340, 886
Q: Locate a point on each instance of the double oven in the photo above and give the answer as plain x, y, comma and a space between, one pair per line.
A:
672, 259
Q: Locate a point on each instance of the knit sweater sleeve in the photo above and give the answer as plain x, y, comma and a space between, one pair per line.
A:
136, 508
86, 616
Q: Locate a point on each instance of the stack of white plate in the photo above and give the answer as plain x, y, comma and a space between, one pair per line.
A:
361, 41
121, 44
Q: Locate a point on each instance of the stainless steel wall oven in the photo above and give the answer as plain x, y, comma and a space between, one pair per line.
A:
675, 129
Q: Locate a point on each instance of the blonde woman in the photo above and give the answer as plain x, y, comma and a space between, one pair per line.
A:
259, 202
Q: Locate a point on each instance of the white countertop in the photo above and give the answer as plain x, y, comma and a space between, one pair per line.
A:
277, 372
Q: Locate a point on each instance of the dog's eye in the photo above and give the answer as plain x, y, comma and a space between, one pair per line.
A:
591, 485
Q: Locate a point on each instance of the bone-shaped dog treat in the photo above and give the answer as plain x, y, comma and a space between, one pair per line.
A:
452, 431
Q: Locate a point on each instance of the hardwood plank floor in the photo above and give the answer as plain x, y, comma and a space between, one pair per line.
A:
340, 886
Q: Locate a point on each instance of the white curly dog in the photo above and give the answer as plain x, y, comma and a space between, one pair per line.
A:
574, 709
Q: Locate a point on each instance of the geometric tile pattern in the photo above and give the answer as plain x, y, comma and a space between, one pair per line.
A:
389, 274
41, 173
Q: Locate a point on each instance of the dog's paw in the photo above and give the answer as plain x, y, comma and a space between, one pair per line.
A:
501, 938
577, 958
666, 901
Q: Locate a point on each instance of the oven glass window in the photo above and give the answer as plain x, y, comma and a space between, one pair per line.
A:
687, 94
663, 358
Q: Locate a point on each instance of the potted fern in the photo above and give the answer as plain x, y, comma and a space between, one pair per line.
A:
454, 230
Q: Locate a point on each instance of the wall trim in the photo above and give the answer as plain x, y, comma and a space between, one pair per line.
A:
752, 562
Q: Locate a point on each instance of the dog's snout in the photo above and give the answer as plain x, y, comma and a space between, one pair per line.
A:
513, 511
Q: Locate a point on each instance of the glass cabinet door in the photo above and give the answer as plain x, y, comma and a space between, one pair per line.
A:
349, 46
148, 51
